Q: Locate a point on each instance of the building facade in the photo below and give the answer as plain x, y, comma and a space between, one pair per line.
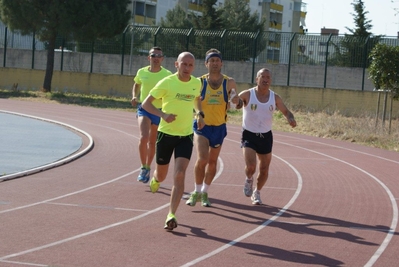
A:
281, 15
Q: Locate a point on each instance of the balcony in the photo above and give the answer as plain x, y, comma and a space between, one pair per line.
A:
144, 20
195, 7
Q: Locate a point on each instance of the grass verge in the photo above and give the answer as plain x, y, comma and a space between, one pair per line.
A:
362, 130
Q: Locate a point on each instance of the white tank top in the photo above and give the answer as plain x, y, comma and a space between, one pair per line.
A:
257, 116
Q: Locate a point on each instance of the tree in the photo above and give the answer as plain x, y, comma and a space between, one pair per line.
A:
384, 68
236, 16
360, 40
363, 25
75, 19
211, 17
176, 18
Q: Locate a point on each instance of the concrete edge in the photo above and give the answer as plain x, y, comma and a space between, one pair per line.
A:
53, 164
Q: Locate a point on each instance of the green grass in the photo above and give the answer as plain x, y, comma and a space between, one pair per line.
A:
362, 130
96, 101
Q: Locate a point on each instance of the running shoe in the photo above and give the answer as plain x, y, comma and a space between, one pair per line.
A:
248, 187
147, 177
154, 185
193, 199
144, 175
170, 222
256, 198
204, 200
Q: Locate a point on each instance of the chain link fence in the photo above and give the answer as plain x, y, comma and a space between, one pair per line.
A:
306, 60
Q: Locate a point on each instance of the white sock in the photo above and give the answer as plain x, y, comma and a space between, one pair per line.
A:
197, 187
204, 188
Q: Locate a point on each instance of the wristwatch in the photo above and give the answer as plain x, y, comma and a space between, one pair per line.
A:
201, 113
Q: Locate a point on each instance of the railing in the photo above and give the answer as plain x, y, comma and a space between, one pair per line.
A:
308, 60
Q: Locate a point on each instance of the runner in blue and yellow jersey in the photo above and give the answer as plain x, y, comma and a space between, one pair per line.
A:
145, 80
180, 94
217, 90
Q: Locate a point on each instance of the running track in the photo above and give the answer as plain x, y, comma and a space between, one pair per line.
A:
326, 203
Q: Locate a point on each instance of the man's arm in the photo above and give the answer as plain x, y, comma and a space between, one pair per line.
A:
198, 111
287, 113
235, 99
244, 99
135, 94
149, 107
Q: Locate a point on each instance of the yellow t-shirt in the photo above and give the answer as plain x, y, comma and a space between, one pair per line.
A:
214, 102
177, 98
148, 80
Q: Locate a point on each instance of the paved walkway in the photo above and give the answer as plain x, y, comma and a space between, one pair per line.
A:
27, 143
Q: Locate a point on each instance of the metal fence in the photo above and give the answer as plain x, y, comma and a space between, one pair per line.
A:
308, 60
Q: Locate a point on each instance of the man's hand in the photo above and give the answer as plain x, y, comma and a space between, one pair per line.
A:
134, 101
200, 122
168, 117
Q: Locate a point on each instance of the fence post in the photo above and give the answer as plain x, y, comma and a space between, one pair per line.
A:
156, 35
254, 55
123, 50
289, 59
222, 41
365, 60
5, 46
188, 38
325, 67
92, 56
33, 50
62, 54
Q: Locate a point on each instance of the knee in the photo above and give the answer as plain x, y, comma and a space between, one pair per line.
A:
250, 168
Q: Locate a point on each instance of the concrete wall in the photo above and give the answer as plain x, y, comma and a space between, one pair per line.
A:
348, 102
243, 72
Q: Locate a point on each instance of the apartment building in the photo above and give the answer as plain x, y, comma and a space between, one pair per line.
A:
281, 15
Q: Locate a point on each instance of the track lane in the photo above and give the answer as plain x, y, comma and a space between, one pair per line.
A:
232, 216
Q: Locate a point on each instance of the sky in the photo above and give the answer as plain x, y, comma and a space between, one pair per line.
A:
336, 14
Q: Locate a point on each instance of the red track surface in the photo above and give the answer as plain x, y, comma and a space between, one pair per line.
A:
327, 203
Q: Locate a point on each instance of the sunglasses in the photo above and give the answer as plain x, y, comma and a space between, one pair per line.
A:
156, 55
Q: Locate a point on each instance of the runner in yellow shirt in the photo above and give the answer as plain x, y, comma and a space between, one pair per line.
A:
180, 94
216, 93
145, 80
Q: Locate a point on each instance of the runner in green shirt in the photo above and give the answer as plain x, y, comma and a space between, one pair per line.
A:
145, 80
180, 94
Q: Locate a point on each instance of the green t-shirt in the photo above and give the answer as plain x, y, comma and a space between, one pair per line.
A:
177, 98
148, 80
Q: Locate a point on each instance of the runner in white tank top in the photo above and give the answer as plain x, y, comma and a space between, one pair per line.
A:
259, 103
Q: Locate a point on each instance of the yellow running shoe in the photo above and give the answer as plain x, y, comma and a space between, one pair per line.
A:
170, 222
154, 185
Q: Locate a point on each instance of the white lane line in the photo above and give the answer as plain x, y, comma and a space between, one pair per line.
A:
25, 263
345, 148
53, 164
70, 194
394, 205
83, 234
93, 207
98, 229
329, 145
257, 229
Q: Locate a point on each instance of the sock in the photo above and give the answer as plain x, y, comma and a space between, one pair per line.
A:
198, 187
204, 188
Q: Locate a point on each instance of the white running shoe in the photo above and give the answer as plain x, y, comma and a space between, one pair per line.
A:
256, 198
248, 187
